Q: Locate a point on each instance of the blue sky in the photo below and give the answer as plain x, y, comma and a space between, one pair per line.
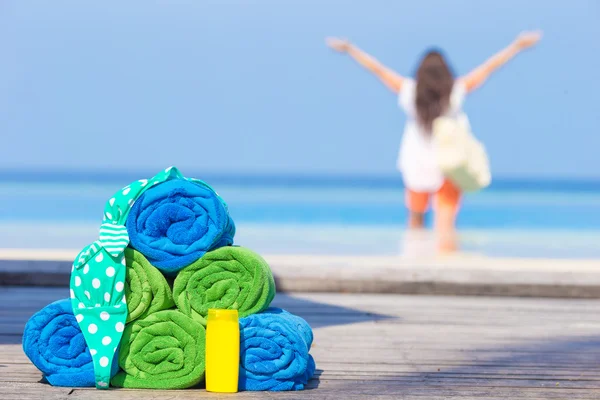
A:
249, 86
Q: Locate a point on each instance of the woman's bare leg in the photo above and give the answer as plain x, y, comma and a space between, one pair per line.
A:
416, 220
446, 210
417, 203
445, 224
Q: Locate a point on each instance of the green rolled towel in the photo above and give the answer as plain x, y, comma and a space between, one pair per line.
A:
164, 350
146, 289
230, 277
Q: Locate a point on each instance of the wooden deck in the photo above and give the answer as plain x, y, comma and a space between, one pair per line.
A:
387, 347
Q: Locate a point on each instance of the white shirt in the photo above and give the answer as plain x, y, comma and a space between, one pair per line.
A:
416, 159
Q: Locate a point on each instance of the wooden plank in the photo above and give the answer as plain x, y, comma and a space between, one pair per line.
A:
359, 371
578, 360
19, 374
21, 391
38, 297
33, 391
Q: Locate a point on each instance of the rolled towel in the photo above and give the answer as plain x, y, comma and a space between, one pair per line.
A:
54, 343
301, 324
232, 277
146, 288
174, 223
164, 350
274, 352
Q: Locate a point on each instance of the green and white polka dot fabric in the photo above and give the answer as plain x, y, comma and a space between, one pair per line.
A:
98, 278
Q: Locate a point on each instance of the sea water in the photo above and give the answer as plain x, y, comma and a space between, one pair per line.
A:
330, 215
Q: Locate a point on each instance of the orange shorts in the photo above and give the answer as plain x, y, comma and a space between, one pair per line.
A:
446, 196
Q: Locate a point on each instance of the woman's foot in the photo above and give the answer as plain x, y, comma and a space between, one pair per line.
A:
447, 246
417, 244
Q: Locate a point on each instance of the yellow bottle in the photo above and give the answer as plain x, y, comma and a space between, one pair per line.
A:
222, 351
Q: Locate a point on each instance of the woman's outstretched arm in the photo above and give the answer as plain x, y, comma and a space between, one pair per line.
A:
479, 75
390, 78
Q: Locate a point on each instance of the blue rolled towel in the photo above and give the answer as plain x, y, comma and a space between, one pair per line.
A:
274, 348
174, 223
55, 345
302, 326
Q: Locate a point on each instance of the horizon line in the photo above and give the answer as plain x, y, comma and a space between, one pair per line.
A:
297, 179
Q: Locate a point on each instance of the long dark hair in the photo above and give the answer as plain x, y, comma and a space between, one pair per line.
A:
434, 86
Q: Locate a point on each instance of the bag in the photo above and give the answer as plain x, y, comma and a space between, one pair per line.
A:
460, 156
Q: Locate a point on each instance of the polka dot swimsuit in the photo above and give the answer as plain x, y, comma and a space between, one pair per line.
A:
98, 279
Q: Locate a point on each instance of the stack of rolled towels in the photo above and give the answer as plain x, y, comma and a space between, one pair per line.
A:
180, 262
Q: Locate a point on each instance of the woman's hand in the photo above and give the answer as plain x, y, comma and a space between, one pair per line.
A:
339, 45
526, 40
480, 74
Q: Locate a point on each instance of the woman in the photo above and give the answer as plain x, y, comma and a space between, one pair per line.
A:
433, 93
